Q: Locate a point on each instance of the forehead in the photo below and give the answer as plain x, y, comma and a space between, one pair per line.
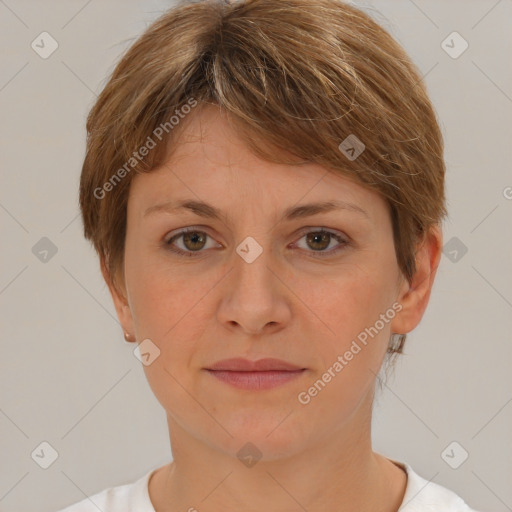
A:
209, 160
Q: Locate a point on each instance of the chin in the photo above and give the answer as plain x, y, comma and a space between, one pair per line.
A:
264, 436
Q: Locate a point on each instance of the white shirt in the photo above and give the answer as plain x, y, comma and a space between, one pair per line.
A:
420, 496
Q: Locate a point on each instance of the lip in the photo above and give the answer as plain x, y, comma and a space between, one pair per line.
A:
255, 375
261, 365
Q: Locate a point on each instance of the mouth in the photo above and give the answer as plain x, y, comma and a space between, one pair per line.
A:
255, 375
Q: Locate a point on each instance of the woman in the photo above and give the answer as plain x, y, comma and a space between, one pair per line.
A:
264, 186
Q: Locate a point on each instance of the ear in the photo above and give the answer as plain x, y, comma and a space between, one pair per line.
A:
414, 296
120, 301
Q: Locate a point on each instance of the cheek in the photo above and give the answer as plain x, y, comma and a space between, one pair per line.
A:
165, 305
349, 302
170, 306
153, 301
159, 293
350, 352
167, 309
351, 306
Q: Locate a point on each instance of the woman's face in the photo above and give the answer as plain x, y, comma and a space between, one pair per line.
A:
258, 283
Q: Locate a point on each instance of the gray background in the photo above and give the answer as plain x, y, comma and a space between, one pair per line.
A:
68, 378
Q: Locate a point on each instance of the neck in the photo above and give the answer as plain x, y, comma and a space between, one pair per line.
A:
339, 472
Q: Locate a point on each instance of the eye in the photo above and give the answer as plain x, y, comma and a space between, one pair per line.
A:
320, 240
191, 241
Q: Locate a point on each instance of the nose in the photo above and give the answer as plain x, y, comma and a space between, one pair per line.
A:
254, 298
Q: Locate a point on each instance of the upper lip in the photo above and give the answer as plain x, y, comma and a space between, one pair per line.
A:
262, 365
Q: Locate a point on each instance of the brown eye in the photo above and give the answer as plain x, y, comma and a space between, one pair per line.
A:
190, 241
193, 241
321, 242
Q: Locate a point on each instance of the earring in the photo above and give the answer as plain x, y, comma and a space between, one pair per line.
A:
129, 337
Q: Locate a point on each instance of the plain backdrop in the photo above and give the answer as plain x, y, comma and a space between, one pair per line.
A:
67, 377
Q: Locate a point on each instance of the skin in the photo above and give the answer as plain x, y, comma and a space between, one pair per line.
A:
290, 304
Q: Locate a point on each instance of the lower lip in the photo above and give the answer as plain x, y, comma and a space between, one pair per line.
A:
256, 380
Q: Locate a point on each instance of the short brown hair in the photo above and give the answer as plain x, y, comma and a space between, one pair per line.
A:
298, 75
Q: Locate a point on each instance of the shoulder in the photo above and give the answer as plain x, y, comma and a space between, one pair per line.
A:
132, 497
424, 496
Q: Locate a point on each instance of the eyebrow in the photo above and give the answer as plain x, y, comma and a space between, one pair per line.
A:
294, 212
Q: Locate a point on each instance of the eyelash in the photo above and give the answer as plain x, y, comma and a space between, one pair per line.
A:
316, 254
